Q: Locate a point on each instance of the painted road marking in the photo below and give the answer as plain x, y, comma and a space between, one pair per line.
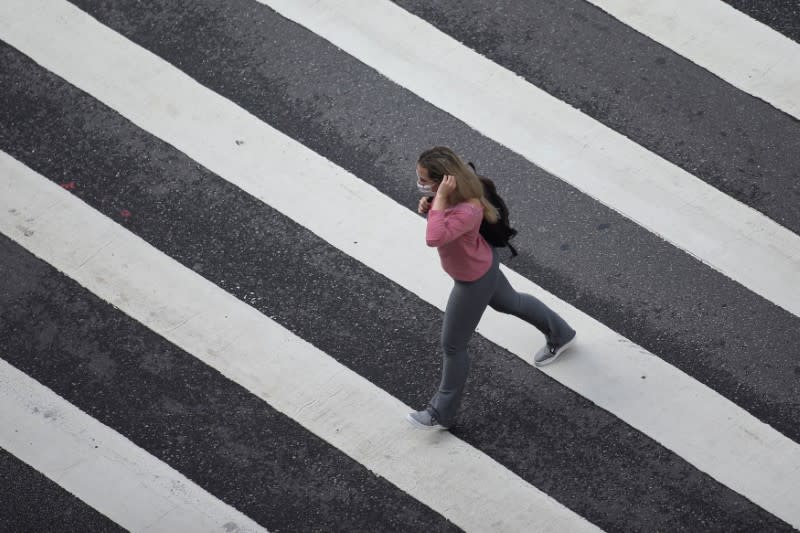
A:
742, 51
720, 231
101, 467
451, 477
720, 438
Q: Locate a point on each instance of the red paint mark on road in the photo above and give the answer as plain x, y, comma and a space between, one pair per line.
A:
70, 185
125, 213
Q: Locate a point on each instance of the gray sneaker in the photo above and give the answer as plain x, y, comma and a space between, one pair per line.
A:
424, 420
549, 352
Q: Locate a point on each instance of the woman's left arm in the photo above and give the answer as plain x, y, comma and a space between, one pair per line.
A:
444, 227
447, 186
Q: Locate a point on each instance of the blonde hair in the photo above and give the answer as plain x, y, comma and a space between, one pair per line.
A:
441, 161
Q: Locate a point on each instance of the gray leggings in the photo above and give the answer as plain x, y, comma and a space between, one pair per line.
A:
466, 305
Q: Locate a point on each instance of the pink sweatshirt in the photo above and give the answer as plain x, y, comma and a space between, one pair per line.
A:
464, 253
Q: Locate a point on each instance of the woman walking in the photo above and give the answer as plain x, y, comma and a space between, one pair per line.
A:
455, 203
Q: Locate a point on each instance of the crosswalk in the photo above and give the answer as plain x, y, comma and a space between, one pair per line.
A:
726, 42
212, 268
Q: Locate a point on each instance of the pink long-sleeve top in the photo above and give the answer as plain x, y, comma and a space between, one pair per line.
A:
464, 253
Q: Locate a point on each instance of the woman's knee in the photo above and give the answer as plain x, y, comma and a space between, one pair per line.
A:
510, 306
453, 347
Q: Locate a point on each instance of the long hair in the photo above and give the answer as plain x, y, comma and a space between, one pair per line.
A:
441, 161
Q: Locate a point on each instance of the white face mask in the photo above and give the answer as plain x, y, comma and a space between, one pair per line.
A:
426, 190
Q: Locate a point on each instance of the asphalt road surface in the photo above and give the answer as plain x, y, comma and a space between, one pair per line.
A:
88, 154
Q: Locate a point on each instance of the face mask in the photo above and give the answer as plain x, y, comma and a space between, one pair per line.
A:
426, 190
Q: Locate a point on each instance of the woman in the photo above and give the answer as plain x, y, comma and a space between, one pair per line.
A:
454, 214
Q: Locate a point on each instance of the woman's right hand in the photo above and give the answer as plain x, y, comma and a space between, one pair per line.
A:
424, 205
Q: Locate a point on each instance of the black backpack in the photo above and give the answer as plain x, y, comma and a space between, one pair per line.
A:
497, 234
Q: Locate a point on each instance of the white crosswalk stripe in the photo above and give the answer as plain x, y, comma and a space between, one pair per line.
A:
438, 469
649, 190
749, 55
94, 462
455, 479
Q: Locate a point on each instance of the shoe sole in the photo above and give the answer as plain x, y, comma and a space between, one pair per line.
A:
558, 352
417, 425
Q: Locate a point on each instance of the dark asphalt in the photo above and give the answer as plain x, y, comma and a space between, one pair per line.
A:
587, 459
674, 108
235, 445
624, 276
29, 501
